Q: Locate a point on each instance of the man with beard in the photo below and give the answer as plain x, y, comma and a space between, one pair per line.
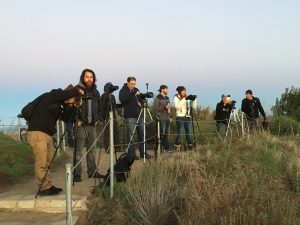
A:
163, 108
89, 115
40, 129
251, 106
130, 97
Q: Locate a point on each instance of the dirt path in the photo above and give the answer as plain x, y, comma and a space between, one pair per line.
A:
29, 187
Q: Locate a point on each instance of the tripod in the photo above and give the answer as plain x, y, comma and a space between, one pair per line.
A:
198, 127
234, 120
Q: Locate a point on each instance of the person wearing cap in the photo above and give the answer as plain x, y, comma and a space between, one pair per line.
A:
251, 106
162, 107
183, 105
41, 128
223, 110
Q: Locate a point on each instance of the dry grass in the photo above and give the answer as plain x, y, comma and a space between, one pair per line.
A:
253, 181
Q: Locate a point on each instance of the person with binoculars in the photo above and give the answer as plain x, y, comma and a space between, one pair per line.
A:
184, 104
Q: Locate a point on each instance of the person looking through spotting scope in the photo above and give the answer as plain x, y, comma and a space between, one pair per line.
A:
223, 110
41, 128
251, 106
162, 107
89, 115
184, 104
130, 97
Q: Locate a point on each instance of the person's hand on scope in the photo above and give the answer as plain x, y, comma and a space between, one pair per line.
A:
137, 93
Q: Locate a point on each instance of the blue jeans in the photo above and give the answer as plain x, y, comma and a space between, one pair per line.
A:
184, 123
133, 125
222, 129
164, 131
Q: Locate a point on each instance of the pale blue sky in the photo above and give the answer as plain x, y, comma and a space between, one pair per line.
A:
211, 47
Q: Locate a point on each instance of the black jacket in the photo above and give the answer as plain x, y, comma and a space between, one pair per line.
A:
223, 112
49, 110
94, 95
130, 102
252, 108
108, 102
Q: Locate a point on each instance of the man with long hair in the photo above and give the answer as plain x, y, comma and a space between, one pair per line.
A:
89, 115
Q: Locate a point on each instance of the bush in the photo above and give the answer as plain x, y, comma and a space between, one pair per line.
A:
284, 125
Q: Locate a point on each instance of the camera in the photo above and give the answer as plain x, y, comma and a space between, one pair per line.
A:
191, 97
110, 88
147, 95
79, 98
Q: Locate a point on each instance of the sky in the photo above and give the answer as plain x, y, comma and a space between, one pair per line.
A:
210, 47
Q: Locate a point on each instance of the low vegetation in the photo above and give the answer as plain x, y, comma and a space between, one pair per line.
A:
16, 161
254, 180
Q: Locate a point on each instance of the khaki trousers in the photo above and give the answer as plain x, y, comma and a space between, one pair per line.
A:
42, 147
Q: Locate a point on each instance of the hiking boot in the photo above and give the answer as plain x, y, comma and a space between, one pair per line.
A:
190, 147
177, 148
169, 151
77, 178
50, 191
147, 156
96, 175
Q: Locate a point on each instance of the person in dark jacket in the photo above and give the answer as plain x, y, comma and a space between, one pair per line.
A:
40, 129
89, 115
130, 97
162, 107
223, 110
251, 106
108, 103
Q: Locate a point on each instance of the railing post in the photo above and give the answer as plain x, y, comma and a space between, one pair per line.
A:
158, 140
69, 194
112, 149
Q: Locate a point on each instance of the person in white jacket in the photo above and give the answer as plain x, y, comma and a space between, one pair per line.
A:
183, 105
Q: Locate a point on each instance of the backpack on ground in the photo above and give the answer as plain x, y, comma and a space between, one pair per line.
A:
29, 109
121, 169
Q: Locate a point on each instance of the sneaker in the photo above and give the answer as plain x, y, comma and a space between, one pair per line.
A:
77, 178
48, 192
96, 175
56, 188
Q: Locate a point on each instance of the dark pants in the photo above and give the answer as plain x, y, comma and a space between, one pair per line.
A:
86, 135
184, 123
222, 129
164, 132
106, 137
70, 131
252, 126
133, 125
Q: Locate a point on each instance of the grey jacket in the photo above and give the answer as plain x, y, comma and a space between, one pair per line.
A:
159, 106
